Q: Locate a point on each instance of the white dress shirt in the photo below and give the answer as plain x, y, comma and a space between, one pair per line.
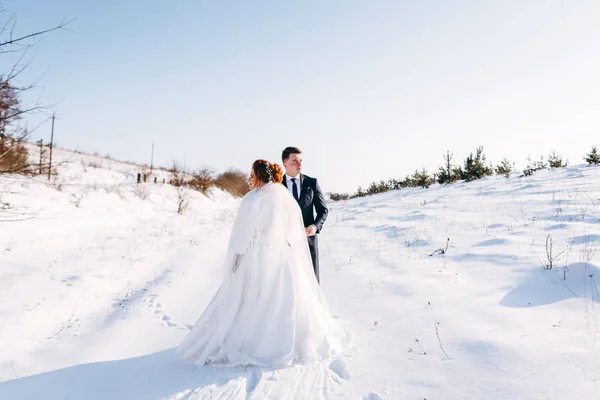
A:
290, 183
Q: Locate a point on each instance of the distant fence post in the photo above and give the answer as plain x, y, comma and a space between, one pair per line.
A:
156, 179
41, 154
139, 178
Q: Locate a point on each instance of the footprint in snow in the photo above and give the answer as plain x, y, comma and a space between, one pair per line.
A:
340, 368
68, 281
372, 396
155, 306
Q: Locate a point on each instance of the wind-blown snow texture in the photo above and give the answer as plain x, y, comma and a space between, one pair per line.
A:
100, 279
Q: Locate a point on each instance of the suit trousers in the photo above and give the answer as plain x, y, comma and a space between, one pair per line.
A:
313, 245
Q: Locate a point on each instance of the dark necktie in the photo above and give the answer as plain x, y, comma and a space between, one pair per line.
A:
294, 189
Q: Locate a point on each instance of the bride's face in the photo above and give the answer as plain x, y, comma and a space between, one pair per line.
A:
252, 181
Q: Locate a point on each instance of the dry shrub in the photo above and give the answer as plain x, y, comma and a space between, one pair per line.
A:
141, 191
233, 181
14, 157
182, 199
201, 180
339, 196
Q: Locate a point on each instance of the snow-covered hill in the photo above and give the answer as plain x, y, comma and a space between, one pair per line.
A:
100, 280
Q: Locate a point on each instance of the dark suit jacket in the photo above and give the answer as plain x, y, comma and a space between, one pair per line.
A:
311, 201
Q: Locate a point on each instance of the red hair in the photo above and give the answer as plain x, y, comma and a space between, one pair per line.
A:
267, 172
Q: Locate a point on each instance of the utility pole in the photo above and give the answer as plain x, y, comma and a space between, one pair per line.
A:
152, 159
51, 144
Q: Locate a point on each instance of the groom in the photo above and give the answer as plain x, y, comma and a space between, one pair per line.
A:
308, 194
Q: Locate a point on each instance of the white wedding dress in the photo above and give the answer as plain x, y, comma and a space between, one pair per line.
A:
270, 311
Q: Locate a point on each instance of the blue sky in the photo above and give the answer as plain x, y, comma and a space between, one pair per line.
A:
368, 89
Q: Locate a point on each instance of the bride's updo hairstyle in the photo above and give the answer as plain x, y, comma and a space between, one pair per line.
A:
266, 172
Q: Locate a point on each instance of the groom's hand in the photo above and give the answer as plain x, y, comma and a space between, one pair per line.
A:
311, 230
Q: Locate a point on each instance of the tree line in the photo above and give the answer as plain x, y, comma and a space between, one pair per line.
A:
474, 166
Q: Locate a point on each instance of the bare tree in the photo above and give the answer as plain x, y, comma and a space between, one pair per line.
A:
15, 46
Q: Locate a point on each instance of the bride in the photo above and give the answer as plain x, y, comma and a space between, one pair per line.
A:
269, 310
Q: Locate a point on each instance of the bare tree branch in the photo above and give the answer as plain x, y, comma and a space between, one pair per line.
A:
14, 156
8, 21
17, 69
14, 41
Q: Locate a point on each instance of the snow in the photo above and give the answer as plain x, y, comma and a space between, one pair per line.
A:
100, 279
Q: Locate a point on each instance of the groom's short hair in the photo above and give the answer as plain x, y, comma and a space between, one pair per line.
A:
285, 154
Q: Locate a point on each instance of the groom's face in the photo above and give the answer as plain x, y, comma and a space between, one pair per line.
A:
293, 165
